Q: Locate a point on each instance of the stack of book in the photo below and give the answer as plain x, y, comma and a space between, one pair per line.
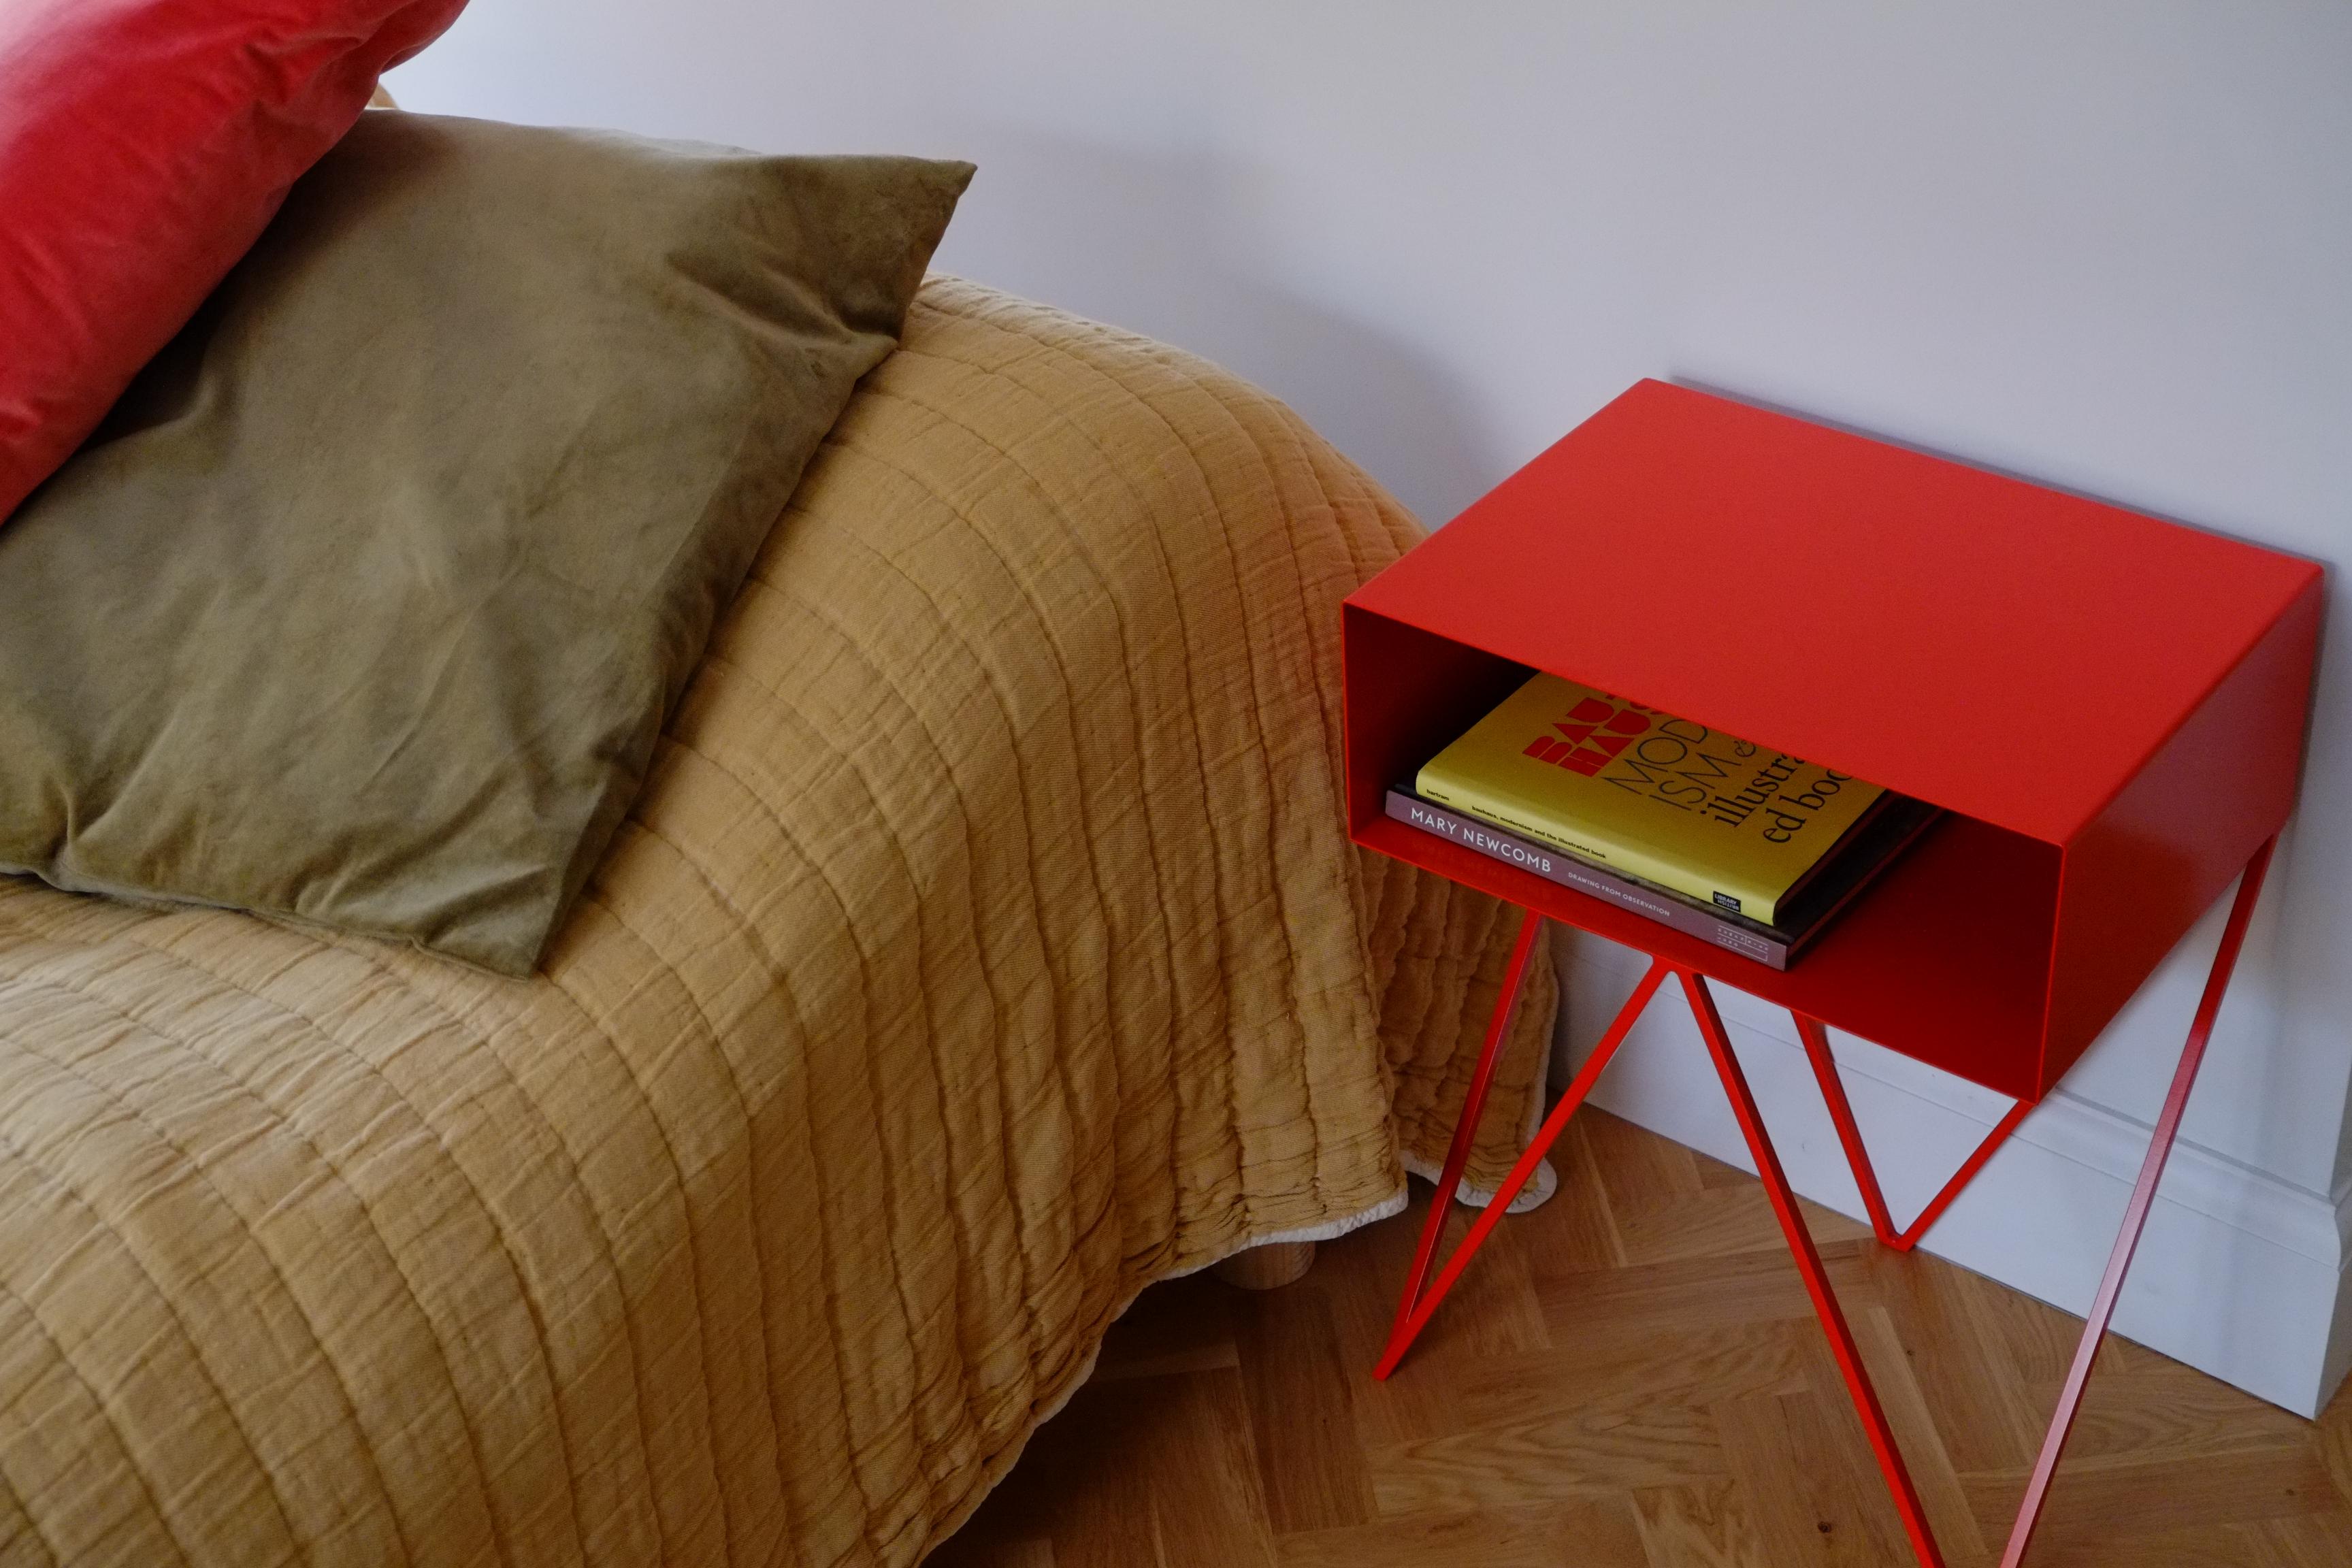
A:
1709, 834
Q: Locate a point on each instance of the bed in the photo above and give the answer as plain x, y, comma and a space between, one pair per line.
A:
985, 947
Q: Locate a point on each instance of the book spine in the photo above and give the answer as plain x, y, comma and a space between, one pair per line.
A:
1622, 854
1558, 866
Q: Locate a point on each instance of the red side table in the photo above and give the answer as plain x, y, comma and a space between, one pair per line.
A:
2109, 707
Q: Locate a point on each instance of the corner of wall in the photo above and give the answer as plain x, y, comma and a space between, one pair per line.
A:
2338, 1360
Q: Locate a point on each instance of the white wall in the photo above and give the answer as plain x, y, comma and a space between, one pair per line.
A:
2108, 246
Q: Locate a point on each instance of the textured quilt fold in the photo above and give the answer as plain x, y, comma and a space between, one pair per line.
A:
986, 946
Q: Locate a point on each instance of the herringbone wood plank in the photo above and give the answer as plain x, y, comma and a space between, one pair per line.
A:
1632, 1377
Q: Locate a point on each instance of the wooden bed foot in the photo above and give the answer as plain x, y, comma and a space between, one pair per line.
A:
1268, 1267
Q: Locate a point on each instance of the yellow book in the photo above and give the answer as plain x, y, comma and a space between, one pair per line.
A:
1648, 795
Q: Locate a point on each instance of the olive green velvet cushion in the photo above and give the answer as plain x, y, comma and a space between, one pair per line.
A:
367, 605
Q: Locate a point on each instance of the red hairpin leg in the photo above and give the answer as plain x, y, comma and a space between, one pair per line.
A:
2167, 1126
1414, 1311
1809, 1264
1873, 1201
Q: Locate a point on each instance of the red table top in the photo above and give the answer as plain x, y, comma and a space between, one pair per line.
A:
1836, 593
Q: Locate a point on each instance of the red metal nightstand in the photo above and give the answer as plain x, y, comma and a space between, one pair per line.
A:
2109, 707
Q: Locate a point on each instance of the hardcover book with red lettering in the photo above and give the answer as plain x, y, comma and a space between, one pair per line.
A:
1649, 795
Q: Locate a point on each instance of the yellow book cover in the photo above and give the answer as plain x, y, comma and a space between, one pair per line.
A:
1648, 795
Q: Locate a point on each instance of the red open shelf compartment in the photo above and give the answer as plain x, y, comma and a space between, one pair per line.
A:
2109, 707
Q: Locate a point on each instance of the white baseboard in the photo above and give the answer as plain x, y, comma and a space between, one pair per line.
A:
2240, 1274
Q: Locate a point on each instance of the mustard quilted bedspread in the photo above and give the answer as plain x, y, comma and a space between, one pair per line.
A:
985, 947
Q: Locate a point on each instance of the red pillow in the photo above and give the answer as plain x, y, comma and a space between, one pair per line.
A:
143, 145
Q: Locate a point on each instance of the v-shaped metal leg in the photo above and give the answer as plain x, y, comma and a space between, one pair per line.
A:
2103, 1306
1809, 1264
1413, 1313
1873, 1201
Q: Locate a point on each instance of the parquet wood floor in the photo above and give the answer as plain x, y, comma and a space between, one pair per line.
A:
1632, 1377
